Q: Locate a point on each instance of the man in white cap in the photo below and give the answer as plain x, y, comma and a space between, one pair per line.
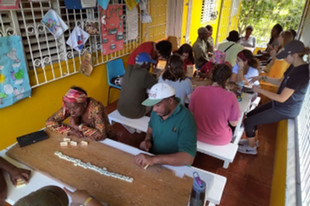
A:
171, 134
137, 80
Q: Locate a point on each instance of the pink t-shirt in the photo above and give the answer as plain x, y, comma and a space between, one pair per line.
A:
147, 47
212, 108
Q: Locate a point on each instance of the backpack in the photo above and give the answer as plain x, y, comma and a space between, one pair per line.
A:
219, 56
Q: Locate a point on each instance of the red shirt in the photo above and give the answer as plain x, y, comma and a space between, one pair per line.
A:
148, 47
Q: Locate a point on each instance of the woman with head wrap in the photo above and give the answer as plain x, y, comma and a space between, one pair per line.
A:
87, 117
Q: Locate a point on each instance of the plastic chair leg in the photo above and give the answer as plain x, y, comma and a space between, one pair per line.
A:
108, 96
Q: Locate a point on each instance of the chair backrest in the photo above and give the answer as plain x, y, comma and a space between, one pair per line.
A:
278, 68
174, 41
115, 68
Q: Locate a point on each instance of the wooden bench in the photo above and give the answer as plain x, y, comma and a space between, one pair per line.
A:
140, 124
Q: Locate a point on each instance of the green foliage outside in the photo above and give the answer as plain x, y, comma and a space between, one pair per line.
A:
264, 14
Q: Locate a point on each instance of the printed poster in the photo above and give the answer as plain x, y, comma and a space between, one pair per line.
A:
8, 4
78, 38
111, 21
54, 23
14, 80
92, 26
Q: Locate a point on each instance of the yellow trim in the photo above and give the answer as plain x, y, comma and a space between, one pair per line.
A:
277, 196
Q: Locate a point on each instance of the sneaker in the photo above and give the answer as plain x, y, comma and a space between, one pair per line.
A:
247, 150
245, 142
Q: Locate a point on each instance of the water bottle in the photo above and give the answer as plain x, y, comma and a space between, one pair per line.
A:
239, 90
198, 191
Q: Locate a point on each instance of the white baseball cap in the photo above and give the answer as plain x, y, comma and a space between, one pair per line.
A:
157, 93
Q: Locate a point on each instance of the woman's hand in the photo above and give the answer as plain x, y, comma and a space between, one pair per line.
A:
74, 122
254, 79
240, 63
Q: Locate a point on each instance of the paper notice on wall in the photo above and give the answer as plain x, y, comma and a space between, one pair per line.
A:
112, 26
54, 23
78, 38
132, 24
8, 4
88, 3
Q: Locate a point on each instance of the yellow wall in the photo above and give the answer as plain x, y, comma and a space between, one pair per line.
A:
30, 114
224, 27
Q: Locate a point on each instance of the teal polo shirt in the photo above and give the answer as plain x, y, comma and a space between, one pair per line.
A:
177, 133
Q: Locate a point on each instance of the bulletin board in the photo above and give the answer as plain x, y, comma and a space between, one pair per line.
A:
111, 22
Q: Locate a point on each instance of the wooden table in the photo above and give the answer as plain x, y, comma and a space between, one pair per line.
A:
214, 190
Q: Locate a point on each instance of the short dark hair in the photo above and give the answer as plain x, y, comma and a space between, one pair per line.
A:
79, 89
249, 28
209, 27
164, 48
220, 74
293, 32
186, 48
233, 36
174, 70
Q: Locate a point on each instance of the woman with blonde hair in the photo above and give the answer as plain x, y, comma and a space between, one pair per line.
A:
284, 38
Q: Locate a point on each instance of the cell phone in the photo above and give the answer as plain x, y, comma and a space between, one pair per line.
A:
31, 138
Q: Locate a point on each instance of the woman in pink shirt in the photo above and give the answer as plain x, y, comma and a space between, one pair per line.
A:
214, 108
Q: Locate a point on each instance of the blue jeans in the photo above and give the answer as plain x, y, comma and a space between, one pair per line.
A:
264, 114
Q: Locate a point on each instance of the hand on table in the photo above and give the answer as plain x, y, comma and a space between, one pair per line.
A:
76, 133
254, 79
144, 160
74, 122
19, 173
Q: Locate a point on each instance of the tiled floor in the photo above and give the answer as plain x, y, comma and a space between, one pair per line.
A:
248, 177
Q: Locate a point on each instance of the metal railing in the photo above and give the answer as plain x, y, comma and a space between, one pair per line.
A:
49, 58
298, 157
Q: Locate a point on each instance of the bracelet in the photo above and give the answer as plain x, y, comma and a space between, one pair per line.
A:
264, 78
88, 200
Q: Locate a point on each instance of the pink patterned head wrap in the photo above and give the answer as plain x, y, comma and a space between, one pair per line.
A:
73, 96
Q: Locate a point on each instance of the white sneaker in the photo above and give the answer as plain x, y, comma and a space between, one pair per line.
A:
245, 142
247, 150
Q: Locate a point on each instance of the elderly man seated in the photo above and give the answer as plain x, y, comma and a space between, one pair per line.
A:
171, 134
87, 117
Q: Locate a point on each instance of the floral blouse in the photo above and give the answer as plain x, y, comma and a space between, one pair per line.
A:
97, 127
